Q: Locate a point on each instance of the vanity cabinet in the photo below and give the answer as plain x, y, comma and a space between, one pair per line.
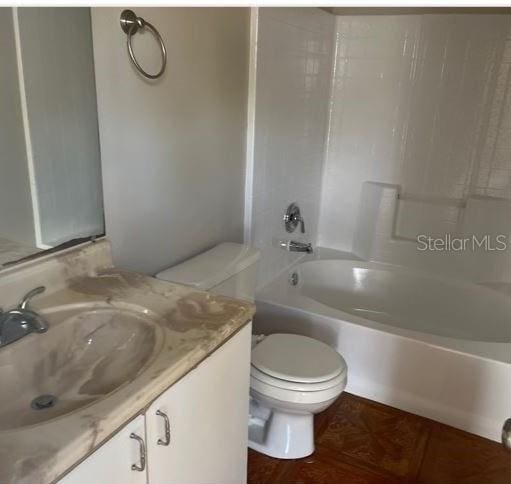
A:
206, 415
111, 463
194, 433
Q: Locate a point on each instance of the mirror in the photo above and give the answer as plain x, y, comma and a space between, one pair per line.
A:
50, 180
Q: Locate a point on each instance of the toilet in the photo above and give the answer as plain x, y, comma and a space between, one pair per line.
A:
228, 269
292, 377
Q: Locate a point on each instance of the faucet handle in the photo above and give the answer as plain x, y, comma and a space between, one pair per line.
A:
292, 218
29, 295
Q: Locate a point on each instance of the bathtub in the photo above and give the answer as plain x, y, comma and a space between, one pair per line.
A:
430, 345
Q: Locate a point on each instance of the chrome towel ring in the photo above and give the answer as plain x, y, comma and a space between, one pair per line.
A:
130, 24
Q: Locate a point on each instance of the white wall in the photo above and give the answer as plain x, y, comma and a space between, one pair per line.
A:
294, 65
16, 220
173, 149
58, 71
420, 101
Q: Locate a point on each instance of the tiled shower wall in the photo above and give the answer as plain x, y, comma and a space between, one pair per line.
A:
422, 101
294, 69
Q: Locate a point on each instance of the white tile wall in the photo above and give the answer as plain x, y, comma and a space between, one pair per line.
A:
420, 101
294, 68
375, 237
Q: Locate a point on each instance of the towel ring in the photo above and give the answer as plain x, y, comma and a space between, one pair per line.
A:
130, 24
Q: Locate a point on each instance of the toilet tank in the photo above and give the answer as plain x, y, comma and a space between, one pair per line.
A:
229, 269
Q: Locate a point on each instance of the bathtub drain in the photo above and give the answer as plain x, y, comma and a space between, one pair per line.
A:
293, 279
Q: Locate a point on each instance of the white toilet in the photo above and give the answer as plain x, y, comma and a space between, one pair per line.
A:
229, 269
292, 377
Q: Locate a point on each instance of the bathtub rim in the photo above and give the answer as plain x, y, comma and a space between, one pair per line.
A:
280, 293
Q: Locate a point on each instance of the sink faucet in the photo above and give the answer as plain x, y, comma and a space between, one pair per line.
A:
20, 321
293, 246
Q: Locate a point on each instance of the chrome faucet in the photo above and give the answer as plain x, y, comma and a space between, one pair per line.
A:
20, 321
294, 246
292, 218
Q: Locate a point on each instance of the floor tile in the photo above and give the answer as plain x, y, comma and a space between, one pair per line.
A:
263, 469
363, 442
456, 457
323, 470
376, 436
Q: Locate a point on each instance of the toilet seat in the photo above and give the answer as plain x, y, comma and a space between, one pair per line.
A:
301, 398
295, 358
297, 386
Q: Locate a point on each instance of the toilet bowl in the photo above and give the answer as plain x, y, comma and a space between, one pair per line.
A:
292, 377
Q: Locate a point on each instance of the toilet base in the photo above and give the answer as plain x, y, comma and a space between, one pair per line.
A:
287, 436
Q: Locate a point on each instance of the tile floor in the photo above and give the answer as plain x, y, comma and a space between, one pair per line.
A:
363, 442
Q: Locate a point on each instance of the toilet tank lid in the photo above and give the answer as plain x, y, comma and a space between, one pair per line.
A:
212, 267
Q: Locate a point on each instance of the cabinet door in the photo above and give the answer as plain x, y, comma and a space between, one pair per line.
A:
111, 463
207, 414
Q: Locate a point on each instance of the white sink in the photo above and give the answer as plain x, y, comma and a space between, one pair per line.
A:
87, 353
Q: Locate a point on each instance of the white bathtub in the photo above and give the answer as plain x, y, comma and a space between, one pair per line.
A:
430, 345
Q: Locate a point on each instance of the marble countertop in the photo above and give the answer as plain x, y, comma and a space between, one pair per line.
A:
190, 325
11, 251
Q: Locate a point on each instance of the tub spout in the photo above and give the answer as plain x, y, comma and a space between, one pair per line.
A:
293, 246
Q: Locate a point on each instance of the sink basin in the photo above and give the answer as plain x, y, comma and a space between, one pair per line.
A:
87, 353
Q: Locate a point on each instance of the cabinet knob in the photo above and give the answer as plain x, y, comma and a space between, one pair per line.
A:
167, 428
141, 447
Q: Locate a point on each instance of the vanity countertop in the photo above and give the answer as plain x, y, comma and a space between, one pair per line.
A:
187, 324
